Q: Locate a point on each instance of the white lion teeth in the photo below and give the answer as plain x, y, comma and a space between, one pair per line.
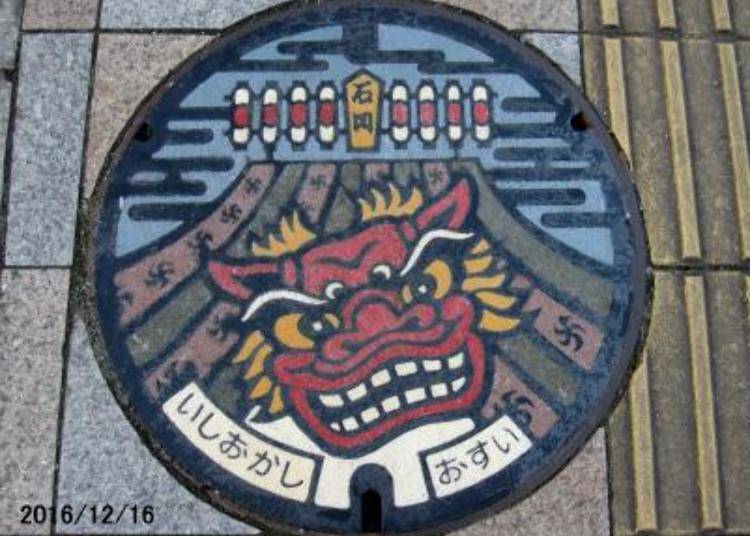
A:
362, 415
432, 365
415, 395
405, 369
332, 401
456, 361
380, 378
390, 404
370, 414
357, 392
439, 389
458, 384
350, 424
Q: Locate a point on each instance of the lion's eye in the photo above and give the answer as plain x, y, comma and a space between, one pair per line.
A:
319, 326
301, 332
435, 281
288, 332
333, 289
383, 271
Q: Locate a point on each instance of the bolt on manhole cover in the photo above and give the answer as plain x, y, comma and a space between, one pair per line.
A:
364, 267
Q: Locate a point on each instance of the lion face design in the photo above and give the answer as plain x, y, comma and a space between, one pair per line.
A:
371, 332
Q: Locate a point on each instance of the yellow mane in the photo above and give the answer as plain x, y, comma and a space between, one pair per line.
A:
395, 205
292, 236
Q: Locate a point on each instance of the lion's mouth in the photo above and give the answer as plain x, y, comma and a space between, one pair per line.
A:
399, 393
400, 386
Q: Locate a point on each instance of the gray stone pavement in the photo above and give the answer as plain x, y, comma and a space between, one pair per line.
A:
103, 459
574, 502
47, 149
561, 15
33, 307
6, 91
10, 14
60, 14
60, 139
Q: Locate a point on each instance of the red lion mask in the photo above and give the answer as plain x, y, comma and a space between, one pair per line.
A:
368, 333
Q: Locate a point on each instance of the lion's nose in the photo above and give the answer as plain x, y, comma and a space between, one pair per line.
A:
375, 317
381, 307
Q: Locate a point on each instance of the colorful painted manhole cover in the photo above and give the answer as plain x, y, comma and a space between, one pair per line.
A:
364, 267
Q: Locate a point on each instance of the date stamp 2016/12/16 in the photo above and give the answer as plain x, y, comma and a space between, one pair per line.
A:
88, 514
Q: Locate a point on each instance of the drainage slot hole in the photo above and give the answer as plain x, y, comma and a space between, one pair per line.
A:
372, 514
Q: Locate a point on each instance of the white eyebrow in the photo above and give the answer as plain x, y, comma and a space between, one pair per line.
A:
276, 295
435, 234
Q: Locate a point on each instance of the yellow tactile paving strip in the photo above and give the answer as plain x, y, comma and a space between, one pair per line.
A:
737, 139
644, 493
682, 163
665, 14
709, 487
678, 442
721, 15
679, 110
687, 17
672, 77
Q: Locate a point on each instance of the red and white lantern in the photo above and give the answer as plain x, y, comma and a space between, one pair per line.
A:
400, 113
458, 118
270, 115
327, 114
241, 116
298, 114
427, 113
481, 112
454, 112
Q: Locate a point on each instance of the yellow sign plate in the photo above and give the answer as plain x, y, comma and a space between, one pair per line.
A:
363, 96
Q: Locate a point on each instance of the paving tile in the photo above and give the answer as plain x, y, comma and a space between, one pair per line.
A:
59, 14
574, 502
127, 68
103, 460
562, 49
33, 304
687, 17
560, 15
710, 137
678, 448
178, 14
10, 13
516, 14
741, 17
47, 147
6, 89
678, 109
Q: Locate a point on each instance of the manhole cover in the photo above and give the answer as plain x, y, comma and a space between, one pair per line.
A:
366, 267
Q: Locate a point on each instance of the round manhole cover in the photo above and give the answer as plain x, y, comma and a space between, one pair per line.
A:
366, 267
